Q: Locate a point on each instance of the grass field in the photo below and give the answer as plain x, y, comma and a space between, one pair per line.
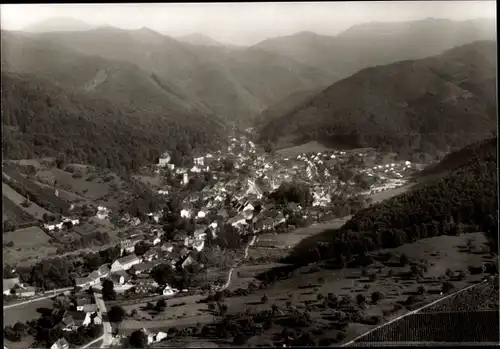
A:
33, 210
25, 312
29, 245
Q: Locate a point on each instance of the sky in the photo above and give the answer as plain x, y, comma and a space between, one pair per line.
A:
244, 23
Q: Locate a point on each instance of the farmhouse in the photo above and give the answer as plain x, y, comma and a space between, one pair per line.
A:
120, 277
125, 263
142, 268
150, 255
164, 159
9, 284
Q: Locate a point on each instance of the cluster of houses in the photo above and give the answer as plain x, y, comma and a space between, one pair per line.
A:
132, 270
65, 222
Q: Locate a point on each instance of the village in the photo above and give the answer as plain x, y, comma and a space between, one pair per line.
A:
236, 190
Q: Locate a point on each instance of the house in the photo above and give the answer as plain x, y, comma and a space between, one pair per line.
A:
198, 245
9, 284
199, 161
200, 234
237, 220
60, 344
201, 214
164, 159
160, 336
142, 268
128, 245
162, 192
185, 213
125, 263
120, 277
169, 291
102, 212
68, 322
167, 247
184, 252
150, 255
90, 308
187, 262
80, 303
103, 270
150, 335
156, 241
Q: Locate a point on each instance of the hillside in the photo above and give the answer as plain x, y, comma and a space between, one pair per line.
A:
371, 44
199, 39
234, 83
423, 105
41, 119
463, 200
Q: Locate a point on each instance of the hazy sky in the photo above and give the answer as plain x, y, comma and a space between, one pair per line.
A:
244, 23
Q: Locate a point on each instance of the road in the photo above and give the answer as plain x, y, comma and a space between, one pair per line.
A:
46, 295
230, 274
93, 342
408, 314
107, 335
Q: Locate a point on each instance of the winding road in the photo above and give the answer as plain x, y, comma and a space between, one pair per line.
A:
230, 274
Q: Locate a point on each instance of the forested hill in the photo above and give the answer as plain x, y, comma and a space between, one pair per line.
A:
430, 105
465, 199
41, 119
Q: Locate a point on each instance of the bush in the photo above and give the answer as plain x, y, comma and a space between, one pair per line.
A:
376, 297
264, 299
360, 299
403, 260
447, 287
240, 339
421, 289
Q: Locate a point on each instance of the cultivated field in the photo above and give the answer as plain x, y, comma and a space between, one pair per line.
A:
16, 198
29, 245
15, 214
452, 327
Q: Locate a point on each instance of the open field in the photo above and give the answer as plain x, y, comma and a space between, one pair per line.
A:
151, 181
36, 191
25, 312
303, 148
304, 284
33, 210
67, 195
91, 185
29, 245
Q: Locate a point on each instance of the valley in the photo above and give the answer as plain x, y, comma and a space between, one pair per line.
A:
169, 188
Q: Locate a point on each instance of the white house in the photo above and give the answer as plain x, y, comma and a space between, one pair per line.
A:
171, 167
201, 214
164, 159
195, 169
163, 192
9, 284
199, 245
186, 213
185, 179
60, 344
169, 291
156, 241
199, 161
125, 263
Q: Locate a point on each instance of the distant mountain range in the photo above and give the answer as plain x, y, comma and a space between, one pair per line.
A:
437, 103
199, 39
59, 24
239, 83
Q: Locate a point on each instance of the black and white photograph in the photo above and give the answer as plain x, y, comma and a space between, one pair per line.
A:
249, 174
